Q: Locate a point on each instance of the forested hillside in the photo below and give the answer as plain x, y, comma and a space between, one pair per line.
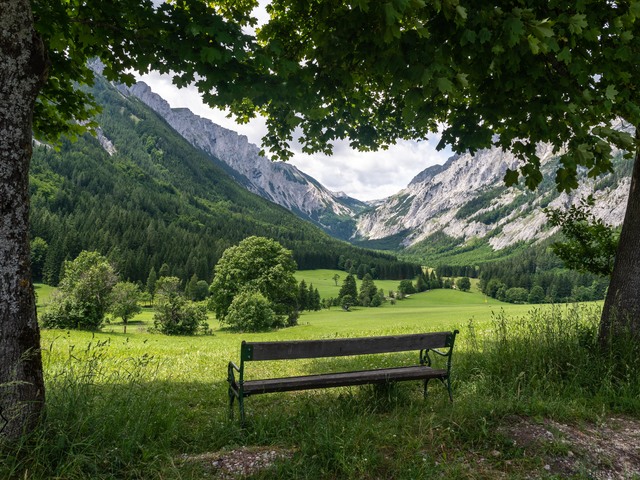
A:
532, 275
537, 276
140, 194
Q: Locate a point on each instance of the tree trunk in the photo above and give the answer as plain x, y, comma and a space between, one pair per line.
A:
23, 69
621, 311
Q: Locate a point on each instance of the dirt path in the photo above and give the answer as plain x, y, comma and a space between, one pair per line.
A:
548, 449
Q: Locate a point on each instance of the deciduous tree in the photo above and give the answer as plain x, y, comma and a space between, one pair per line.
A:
83, 296
463, 284
590, 244
261, 265
124, 302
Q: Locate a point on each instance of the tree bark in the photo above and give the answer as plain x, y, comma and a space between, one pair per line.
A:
23, 69
621, 312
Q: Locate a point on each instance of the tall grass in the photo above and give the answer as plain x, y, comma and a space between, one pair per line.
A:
117, 410
106, 416
551, 358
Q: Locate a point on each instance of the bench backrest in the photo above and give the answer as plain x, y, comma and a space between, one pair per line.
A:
289, 350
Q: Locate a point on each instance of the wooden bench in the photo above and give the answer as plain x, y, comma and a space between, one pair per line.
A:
288, 350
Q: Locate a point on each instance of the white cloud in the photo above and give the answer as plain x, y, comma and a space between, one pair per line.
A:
362, 175
371, 175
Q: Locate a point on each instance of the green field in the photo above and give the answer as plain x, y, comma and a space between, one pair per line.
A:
427, 311
144, 405
43, 294
323, 281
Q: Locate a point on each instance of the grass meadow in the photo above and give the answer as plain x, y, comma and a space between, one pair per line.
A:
148, 406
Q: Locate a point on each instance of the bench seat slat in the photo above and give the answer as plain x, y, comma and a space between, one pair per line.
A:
342, 379
345, 346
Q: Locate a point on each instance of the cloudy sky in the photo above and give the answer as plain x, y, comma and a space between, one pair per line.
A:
365, 176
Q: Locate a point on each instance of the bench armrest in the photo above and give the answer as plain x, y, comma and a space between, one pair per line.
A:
425, 359
231, 377
442, 354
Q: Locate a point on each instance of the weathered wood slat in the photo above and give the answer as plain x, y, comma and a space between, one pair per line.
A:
342, 379
343, 346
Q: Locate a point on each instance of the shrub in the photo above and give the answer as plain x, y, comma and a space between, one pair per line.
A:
183, 318
346, 301
251, 311
174, 314
536, 295
84, 293
406, 287
463, 284
517, 295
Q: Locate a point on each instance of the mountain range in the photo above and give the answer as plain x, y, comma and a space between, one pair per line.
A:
456, 207
465, 203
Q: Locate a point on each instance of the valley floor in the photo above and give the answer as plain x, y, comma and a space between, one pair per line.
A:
532, 399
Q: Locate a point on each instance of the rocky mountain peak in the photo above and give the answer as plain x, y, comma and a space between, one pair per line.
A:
279, 182
466, 199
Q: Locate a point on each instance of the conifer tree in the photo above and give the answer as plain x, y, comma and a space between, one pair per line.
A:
317, 301
151, 282
303, 296
368, 291
191, 289
349, 288
164, 271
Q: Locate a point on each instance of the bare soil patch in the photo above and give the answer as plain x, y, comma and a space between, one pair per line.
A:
238, 463
606, 450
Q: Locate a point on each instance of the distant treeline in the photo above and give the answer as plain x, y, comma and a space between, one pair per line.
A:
535, 276
156, 201
457, 271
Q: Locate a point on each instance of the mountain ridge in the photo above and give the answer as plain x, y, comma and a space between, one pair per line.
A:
466, 199
279, 182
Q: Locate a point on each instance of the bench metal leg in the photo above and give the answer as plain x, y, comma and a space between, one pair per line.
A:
447, 384
232, 397
241, 406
